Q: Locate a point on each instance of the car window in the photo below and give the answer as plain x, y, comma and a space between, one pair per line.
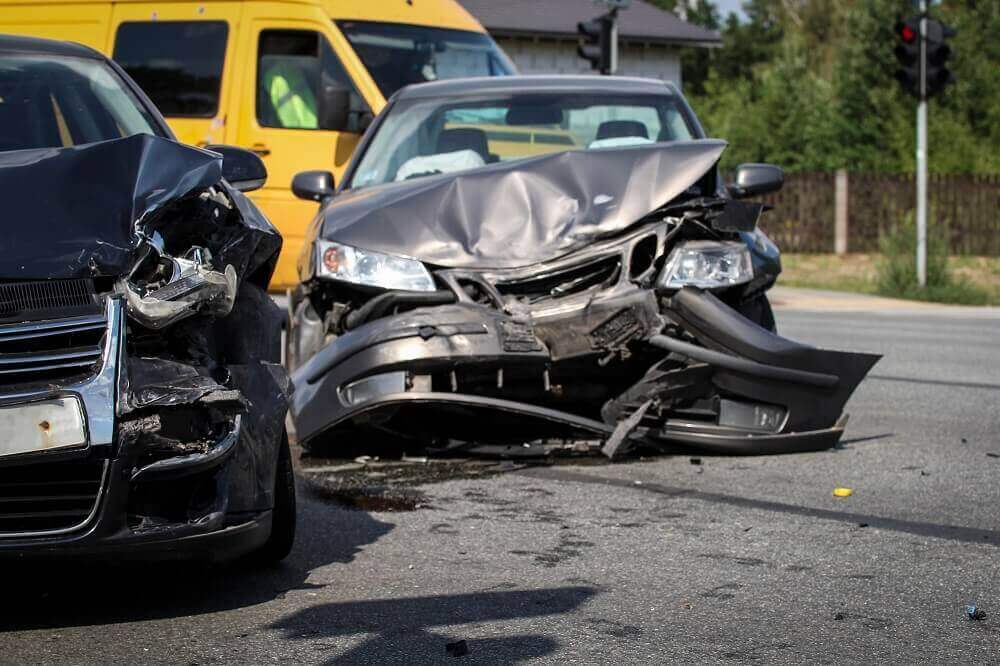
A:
397, 55
177, 63
56, 102
423, 137
293, 68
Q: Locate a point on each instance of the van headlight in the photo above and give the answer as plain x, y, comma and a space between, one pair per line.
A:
337, 261
706, 264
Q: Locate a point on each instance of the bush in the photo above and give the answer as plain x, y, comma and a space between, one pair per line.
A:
896, 271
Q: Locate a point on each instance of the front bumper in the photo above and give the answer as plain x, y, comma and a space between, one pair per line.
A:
415, 368
112, 496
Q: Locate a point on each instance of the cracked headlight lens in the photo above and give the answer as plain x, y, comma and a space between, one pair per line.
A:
707, 264
337, 261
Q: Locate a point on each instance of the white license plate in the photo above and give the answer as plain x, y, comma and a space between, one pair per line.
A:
41, 426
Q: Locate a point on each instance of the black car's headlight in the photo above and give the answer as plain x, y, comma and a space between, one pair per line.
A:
337, 261
707, 264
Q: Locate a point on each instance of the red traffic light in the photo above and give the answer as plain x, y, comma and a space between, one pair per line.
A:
907, 31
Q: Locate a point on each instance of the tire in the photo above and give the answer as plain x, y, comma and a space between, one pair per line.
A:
758, 310
282, 537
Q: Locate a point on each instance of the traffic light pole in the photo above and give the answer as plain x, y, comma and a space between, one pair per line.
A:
922, 154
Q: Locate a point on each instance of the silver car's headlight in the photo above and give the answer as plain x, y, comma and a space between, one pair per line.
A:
707, 264
374, 269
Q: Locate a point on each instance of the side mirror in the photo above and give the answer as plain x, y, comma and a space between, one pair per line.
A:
335, 108
243, 169
755, 179
313, 185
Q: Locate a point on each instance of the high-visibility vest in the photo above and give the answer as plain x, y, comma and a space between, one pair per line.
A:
292, 98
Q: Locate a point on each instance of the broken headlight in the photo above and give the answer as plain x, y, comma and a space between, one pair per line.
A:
374, 269
706, 264
162, 290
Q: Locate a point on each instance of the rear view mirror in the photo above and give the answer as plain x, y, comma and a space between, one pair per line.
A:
243, 170
335, 108
756, 179
313, 185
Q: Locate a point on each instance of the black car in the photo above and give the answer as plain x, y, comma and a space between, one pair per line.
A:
549, 258
142, 400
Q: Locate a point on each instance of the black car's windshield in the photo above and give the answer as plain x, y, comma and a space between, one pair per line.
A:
58, 101
397, 55
423, 137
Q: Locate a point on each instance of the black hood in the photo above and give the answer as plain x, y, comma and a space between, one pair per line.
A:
521, 212
72, 212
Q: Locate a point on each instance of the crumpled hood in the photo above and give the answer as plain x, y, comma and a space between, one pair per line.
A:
71, 212
521, 212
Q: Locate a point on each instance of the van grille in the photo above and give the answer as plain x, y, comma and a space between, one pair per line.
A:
53, 350
49, 497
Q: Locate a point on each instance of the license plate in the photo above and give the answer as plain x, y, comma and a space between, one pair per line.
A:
41, 426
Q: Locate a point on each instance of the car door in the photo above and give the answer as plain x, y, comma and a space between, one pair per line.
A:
181, 55
289, 64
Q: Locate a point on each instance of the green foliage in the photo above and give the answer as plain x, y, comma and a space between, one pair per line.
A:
896, 270
809, 85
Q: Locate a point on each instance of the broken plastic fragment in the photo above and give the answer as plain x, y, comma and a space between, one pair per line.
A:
842, 492
193, 288
974, 613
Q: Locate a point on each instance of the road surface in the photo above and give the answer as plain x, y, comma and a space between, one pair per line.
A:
732, 560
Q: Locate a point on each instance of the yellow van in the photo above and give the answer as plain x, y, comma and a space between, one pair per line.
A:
295, 81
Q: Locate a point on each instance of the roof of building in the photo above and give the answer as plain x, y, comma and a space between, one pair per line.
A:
558, 18
548, 83
38, 46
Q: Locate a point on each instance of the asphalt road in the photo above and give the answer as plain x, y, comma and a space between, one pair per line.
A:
733, 560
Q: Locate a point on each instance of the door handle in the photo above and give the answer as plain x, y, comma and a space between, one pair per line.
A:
260, 149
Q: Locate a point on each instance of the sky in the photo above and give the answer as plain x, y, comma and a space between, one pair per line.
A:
726, 6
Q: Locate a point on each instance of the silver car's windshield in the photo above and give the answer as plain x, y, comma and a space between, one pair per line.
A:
423, 137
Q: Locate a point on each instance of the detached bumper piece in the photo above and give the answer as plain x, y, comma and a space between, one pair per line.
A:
771, 395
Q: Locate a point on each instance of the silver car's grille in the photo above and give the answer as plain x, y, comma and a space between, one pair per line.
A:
49, 498
51, 351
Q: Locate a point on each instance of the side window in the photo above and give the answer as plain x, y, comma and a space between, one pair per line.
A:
299, 79
178, 63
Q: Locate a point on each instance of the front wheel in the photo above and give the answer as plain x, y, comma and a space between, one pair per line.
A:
282, 537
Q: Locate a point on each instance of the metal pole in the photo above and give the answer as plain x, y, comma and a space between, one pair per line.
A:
922, 154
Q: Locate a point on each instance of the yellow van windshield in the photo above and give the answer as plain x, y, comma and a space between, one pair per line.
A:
397, 55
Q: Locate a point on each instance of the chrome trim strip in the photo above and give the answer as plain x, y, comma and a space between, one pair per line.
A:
35, 327
66, 530
46, 332
40, 357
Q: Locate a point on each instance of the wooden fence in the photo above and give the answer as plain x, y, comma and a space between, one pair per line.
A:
805, 210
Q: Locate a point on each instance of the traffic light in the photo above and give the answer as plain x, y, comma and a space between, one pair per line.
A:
938, 55
599, 42
908, 54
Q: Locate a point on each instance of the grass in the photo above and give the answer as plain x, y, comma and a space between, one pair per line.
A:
974, 280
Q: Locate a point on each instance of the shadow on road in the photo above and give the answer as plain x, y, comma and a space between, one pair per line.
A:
67, 593
400, 630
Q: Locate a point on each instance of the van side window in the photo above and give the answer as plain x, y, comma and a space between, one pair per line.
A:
294, 69
178, 63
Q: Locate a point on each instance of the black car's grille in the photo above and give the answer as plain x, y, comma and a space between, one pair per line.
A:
43, 299
49, 497
566, 281
53, 350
